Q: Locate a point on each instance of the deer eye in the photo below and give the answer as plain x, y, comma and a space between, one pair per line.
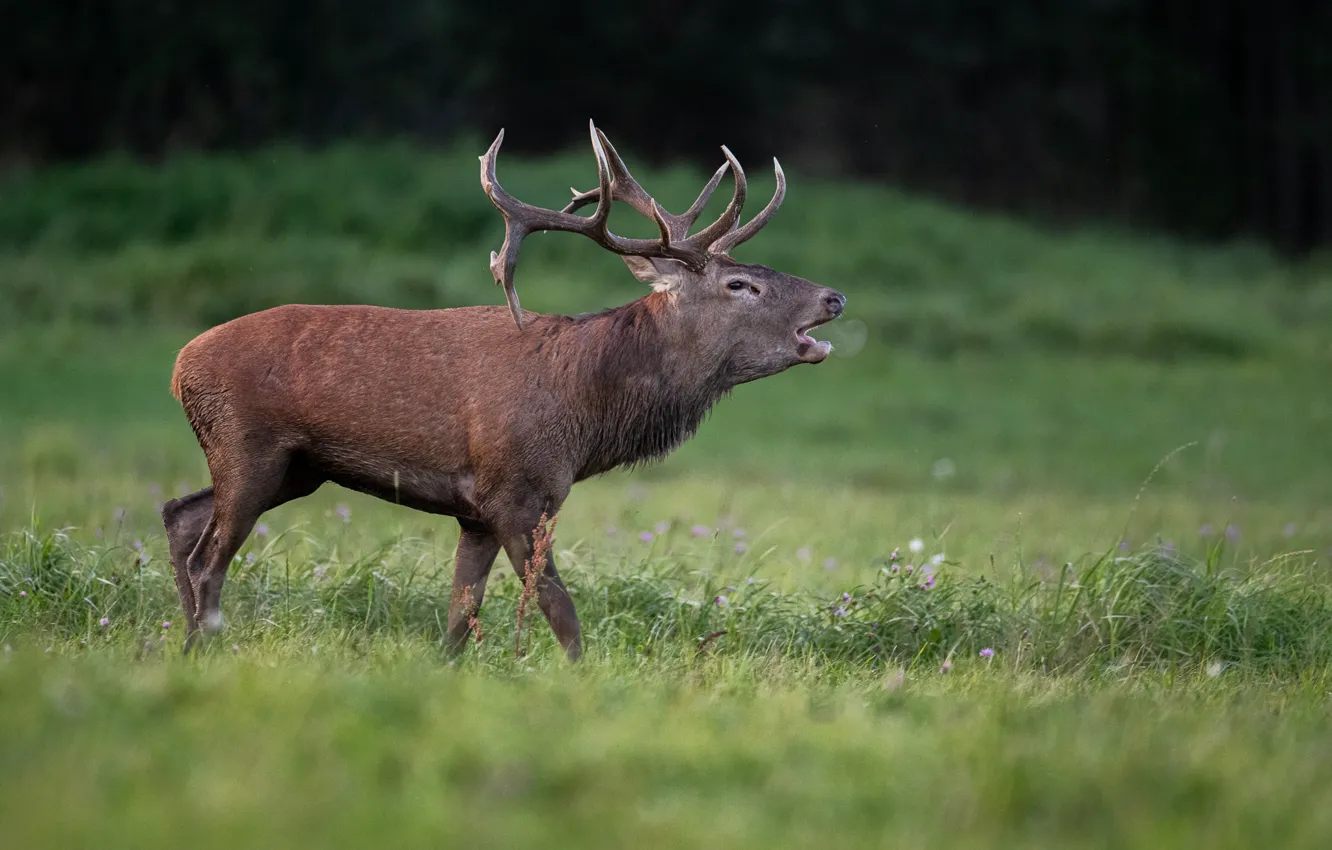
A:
735, 285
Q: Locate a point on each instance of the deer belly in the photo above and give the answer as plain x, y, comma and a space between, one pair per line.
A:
441, 490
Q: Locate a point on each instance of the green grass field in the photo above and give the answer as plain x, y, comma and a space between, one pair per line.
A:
1114, 452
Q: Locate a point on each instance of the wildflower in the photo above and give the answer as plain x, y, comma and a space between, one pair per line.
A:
894, 556
896, 567
138, 545
166, 624
1290, 529
700, 531
261, 529
1205, 531
929, 583
647, 537
916, 545
936, 560
830, 563
738, 533
1123, 545
345, 513
104, 622
946, 666
720, 601
249, 557
907, 569
751, 580
1214, 669
319, 571
987, 652
803, 553
23, 594
846, 597
740, 548
840, 612
1232, 533
663, 527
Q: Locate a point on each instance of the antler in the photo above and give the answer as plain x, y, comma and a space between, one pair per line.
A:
616, 183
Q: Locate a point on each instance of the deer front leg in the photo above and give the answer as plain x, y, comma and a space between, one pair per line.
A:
552, 596
477, 548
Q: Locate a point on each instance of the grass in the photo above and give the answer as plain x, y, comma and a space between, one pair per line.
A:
1112, 449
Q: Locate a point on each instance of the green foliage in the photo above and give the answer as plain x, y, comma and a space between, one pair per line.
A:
1151, 611
204, 239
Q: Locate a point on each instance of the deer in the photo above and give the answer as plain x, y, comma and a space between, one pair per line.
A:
461, 412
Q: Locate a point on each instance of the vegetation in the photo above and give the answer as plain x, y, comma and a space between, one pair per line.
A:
1102, 459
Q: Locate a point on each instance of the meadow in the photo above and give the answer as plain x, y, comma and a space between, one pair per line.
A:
1037, 558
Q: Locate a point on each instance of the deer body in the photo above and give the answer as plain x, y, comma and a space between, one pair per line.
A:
470, 412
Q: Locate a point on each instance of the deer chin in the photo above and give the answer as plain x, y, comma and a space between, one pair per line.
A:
809, 349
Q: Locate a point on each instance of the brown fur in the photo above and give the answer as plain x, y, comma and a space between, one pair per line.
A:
461, 413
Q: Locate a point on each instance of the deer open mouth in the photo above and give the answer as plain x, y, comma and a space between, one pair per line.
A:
809, 349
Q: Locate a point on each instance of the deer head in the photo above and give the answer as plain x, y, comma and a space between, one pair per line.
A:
751, 318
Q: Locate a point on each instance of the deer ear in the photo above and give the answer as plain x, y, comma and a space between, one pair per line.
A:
663, 275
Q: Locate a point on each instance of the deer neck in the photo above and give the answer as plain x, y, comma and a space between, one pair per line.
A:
648, 383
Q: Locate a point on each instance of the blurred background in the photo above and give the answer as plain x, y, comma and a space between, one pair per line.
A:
1075, 236
1208, 120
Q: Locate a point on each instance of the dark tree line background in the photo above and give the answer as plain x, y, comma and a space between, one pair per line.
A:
1211, 120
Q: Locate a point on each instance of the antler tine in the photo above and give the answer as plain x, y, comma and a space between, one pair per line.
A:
522, 219
691, 215
727, 220
729, 240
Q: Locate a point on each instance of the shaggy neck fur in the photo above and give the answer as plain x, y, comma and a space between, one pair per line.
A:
644, 385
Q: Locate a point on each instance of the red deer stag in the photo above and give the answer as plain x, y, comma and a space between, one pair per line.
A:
460, 413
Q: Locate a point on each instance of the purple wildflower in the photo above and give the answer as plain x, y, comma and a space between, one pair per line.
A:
23, 594
104, 622
700, 531
663, 527
345, 513
894, 556
987, 652
946, 666
830, 563
804, 553
740, 548
261, 529
1232, 533
720, 600
319, 571
166, 624
1206, 530
846, 597
840, 612
138, 545
738, 533
647, 537
929, 583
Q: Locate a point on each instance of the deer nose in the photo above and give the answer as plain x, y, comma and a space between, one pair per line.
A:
835, 301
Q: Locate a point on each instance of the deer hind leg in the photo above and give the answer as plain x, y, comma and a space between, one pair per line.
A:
477, 549
552, 595
242, 492
185, 520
